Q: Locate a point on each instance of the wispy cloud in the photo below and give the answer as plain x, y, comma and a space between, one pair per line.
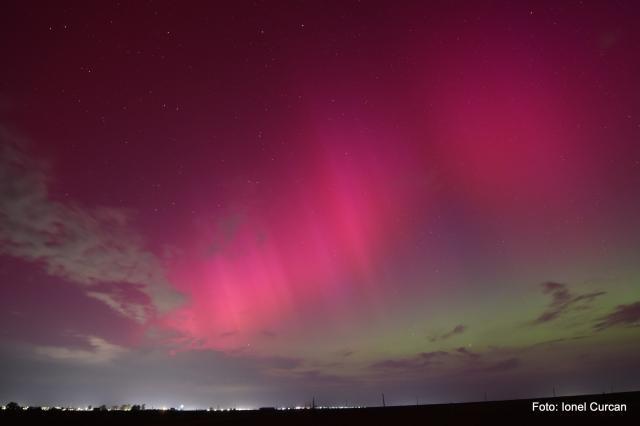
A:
345, 353
563, 301
100, 351
86, 246
458, 329
466, 352
622, 315
457, 361
414, 363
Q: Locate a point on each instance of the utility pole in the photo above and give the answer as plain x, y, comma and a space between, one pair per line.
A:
384, 404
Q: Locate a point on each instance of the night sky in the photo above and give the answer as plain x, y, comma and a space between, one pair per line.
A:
247, 204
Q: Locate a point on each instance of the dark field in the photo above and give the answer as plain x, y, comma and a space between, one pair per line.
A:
516, 411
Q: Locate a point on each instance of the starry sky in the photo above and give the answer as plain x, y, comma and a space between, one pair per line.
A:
240, 204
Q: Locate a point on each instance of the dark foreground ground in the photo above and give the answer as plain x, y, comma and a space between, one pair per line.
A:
478, 413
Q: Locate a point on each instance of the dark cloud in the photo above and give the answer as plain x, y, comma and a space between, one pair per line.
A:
419, 361
466, 352
458, 362
432, 355
622, 315
345, 353
560, 340
282, 363
458, 329
563, 301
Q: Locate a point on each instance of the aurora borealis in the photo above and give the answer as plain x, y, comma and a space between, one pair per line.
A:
257, 203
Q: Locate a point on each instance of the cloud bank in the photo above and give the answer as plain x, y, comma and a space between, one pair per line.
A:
86, 246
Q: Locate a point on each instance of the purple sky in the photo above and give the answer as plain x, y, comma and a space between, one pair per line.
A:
256, 203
